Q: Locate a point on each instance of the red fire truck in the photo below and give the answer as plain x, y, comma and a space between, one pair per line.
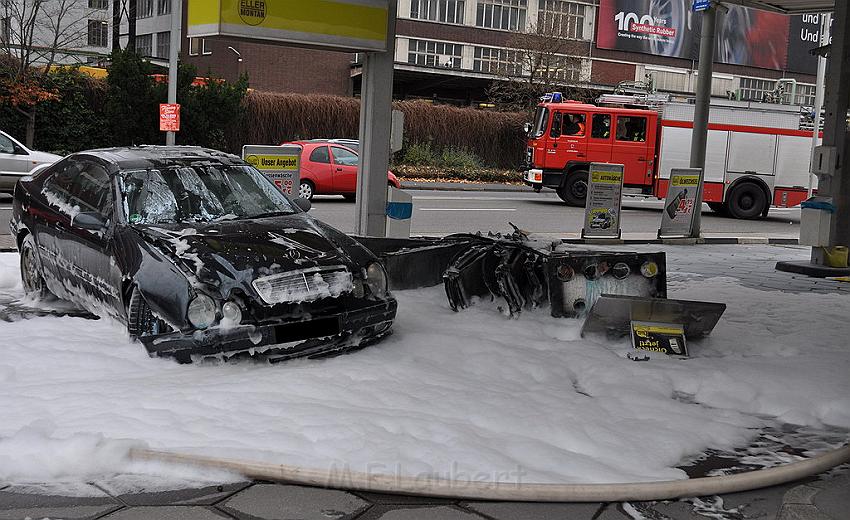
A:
756, 155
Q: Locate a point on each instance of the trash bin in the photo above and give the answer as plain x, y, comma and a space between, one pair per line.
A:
399, 213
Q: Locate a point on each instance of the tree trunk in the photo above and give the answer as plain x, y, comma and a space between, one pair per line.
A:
116, 25
131, 32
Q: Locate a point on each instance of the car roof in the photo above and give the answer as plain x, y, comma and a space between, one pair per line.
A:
313, 143
160, 156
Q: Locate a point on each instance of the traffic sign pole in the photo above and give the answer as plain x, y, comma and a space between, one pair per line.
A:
173, 55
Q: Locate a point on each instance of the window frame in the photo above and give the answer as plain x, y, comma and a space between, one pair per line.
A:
75, 200
324, 148
593, 124
344, 150
645, 129
97, 32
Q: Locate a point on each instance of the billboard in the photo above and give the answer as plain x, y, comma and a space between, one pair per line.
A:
349, 25
744, 36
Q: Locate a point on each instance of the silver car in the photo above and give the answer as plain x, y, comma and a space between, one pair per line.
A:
16, 161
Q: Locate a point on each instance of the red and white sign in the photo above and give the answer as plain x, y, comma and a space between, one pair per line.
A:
169, 117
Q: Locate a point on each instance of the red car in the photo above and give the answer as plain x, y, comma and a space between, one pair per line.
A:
329, 168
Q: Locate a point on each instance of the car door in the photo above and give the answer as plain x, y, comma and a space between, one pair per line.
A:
567, 139
81, 193
345, 163
630, 148
599, 144
320, 169
14, 159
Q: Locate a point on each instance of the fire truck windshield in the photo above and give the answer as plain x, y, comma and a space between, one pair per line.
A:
540, 120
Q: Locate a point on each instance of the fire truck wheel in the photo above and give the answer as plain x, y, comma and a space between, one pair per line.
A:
719, 208
747, 201
574, 191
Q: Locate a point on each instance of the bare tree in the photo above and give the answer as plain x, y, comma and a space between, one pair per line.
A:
537, 61
35, 33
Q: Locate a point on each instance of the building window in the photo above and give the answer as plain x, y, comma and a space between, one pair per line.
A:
199, 46
805, 95
163, 44
434, 54
447, 11
564, 69
561, 18
503, 62
144, 9
98, 4
163, 7
756, 89
502, 14
98, 30
144, 44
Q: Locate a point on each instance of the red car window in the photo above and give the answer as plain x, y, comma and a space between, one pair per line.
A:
320, 155
344, 157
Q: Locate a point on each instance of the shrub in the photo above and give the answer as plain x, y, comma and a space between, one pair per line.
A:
459, 158
419, 154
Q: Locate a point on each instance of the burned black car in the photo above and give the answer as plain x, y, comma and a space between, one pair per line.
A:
198, 253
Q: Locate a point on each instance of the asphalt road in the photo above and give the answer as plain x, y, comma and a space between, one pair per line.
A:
444, 212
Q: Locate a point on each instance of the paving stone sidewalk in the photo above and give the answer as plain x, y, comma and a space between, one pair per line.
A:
825, 497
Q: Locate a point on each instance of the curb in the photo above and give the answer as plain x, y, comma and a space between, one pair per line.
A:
688, 241
462, 186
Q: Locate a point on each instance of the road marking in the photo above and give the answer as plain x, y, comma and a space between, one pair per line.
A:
417, 197
466, 209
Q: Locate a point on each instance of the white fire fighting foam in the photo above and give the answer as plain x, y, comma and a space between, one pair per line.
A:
467, 395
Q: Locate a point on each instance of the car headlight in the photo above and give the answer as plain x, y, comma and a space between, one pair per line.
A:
231, 313
202, 312
376, 279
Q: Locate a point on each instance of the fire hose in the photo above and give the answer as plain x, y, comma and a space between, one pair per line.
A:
510, 491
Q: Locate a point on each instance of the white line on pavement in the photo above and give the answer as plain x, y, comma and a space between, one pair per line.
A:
466, 209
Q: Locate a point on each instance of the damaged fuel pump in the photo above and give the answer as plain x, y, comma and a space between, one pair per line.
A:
526, 274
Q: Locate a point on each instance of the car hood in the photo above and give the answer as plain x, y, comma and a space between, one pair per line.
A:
43, 157
232, 254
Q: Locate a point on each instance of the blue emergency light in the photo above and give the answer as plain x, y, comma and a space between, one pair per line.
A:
552, 97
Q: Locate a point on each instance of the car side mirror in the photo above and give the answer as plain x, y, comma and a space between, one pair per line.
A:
526, 128
89, 220
303, 203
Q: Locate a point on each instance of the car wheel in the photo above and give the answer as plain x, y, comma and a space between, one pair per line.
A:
574, 191
31, 276
350, 197
306, 189
141, 320
747, 201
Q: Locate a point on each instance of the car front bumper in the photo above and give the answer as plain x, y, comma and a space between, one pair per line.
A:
533, 177
322, 336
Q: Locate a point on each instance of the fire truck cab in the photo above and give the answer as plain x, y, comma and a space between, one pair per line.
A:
757, 154
567, 136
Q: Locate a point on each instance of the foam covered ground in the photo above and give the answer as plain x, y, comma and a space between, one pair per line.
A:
468, 395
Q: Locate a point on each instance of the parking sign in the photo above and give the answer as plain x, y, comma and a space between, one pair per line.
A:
169, 117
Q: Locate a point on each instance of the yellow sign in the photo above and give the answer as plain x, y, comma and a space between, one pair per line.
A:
277, 163
351, 25
684, 180
608, 177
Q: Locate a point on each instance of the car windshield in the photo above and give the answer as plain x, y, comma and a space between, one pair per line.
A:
540, 120
199, 193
